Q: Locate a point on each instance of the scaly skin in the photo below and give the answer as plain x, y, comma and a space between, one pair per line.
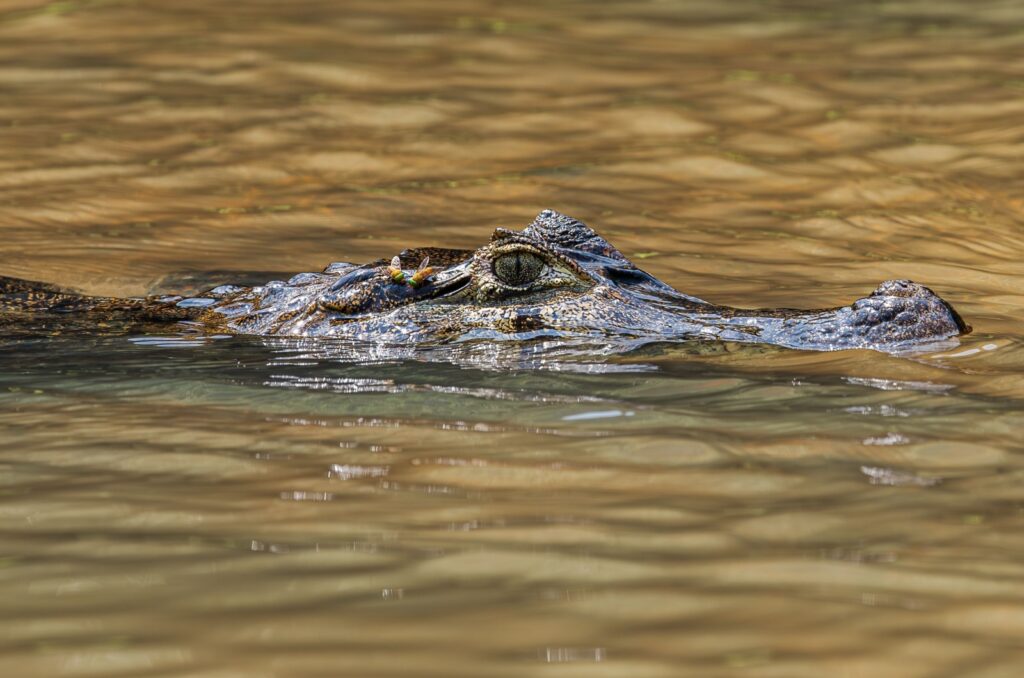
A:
556, 278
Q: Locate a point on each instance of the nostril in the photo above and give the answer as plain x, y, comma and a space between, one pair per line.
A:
905, 318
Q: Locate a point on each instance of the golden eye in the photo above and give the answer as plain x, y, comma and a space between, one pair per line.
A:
517, 269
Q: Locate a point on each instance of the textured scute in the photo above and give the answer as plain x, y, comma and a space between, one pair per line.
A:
18, 286
439, 256
571, 234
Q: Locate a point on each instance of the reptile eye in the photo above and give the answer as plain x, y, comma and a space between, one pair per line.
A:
518, 268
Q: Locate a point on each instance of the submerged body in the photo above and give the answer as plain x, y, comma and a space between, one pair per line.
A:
556, 278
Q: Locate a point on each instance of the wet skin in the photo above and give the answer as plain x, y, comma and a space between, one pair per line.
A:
556, 278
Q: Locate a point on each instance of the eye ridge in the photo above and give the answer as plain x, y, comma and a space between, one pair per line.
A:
517, 269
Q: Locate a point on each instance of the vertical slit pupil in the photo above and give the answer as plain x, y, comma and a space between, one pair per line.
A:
518, 268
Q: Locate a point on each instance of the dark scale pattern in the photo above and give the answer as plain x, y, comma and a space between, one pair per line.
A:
563, 231
585, 287
899, 312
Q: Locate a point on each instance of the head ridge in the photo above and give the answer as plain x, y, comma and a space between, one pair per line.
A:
563, 231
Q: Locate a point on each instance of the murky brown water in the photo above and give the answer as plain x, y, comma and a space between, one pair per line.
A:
233, 507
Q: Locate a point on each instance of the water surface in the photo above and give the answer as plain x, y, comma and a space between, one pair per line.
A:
182, 505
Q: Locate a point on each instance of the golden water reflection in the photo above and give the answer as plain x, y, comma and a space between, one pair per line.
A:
222, 506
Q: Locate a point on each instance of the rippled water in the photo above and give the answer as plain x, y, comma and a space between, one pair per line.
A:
173, 505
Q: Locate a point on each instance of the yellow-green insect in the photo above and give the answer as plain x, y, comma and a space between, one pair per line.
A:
395, 270
422, 273
417, 278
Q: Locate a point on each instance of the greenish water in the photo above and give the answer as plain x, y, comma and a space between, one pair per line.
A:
220, 506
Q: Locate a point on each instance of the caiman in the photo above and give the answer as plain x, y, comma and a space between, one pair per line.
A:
556, 278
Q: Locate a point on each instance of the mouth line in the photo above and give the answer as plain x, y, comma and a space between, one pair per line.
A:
447, 288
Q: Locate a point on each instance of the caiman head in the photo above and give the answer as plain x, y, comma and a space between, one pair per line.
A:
556, 278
